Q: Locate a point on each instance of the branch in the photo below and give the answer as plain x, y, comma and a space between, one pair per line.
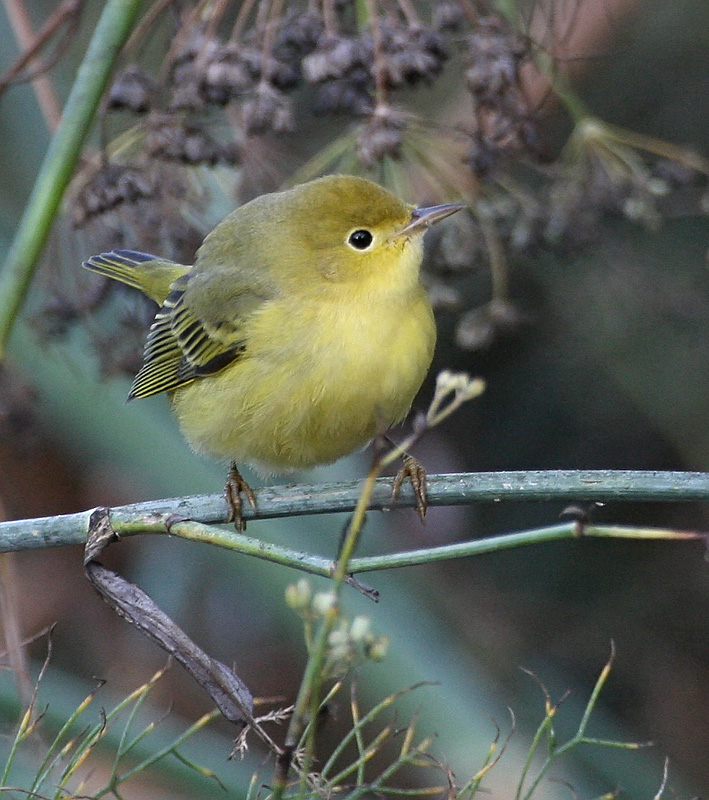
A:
286, 501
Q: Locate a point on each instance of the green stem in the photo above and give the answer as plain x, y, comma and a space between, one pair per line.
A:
495, 544
111, 32
578, 738
362, 16
308, 701
339, 571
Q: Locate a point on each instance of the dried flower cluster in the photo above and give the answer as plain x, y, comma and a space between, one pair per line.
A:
502, 120
350, 643
268, 65
239, 77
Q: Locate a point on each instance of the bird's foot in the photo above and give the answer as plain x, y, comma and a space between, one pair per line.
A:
233, 490
416, 473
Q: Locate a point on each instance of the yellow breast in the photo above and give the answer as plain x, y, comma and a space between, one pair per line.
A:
318, 380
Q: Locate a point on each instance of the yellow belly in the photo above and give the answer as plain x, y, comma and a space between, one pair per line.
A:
314, 389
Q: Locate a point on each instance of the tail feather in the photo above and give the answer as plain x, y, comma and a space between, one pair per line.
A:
121, 265
136, 270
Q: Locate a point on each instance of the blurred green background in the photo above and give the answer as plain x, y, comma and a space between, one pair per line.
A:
607, 370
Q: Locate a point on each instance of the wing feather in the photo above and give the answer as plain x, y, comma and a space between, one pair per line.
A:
180, 348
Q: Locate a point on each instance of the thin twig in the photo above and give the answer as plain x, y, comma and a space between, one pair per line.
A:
31, 44
451, 391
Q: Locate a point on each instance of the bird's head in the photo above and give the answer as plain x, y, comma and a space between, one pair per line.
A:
351, 230
338, 233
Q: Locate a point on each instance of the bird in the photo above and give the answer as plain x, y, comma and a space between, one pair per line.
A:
301, 332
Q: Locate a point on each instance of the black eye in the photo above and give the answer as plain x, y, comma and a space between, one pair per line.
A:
360, 239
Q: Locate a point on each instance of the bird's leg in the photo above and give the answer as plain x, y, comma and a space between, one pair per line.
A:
233, 489
414, 470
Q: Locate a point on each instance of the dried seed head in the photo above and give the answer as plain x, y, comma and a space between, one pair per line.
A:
442, 296
674, 174
493, 54
187, 97
411, 55
172, 140
299, 35
381, 136
228, 74
503, 122
110, 186
448, 17
283, 75
344, 97
186, 71
377, 142
268, 110
527, 227
482, 154
455, 246
640, 206
481, 327
132, 90
335, 57
196, 48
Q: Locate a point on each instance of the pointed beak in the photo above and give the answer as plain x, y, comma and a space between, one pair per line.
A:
421, 218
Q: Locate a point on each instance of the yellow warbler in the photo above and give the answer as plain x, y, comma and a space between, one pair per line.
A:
302, 330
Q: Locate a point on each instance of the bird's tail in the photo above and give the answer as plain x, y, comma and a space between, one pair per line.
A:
153, 276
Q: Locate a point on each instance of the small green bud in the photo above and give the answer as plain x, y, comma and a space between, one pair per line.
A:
323, 602
360, 629
378, 649
298, 595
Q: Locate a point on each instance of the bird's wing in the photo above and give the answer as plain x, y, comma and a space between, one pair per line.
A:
181, 348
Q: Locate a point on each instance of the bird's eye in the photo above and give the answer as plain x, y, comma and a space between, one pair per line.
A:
360, 239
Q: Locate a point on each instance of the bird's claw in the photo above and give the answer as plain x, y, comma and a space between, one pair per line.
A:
235, 486
416, 473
